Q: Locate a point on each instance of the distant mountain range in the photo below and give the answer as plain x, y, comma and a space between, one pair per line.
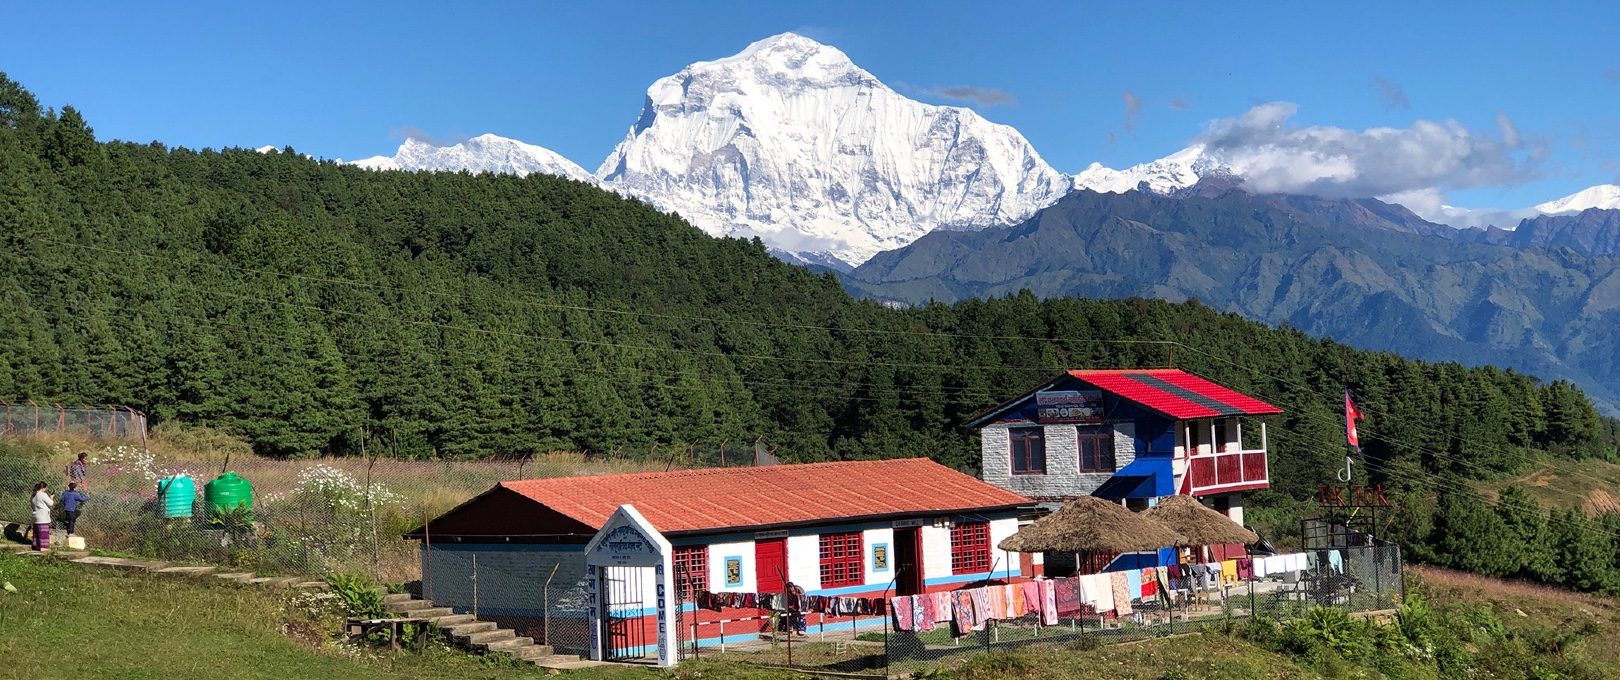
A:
1544, 298
791, 142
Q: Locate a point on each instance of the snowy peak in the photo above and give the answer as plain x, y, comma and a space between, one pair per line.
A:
484, 153
790, 141
791, 58
1177, 171
1602, 196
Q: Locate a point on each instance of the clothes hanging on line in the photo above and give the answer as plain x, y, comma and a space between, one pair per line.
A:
1120, 584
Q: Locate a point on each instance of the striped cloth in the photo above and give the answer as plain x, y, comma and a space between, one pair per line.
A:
42, 536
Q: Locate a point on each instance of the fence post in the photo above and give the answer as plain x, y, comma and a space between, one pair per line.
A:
475, 584
427, 557
545, 604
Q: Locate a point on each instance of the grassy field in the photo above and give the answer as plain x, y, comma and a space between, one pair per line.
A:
1568, 484
72, 621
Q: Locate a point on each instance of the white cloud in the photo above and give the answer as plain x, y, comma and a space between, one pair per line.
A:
1274, 156
1430, 204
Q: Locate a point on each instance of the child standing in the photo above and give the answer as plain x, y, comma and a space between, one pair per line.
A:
72, 504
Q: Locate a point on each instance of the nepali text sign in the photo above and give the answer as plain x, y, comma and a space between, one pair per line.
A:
1069, 406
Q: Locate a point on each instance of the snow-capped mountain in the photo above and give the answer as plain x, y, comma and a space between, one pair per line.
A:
484, 153
1603, 196
1167, 175
791, 141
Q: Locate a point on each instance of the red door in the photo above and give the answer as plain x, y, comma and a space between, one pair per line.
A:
770, 565
908, 575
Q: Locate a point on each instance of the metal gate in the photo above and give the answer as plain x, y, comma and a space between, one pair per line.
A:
625, 632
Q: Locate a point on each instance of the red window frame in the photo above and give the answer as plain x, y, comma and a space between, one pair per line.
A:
691, 564
843, 563
1101, 456
1026, 447
970, 548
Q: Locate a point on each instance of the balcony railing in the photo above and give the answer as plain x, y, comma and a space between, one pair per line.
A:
1228, 471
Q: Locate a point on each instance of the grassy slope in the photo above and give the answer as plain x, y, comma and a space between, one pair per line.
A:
1568, 484
72, 621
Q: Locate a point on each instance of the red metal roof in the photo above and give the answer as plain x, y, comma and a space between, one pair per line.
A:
1175, 393
716, 499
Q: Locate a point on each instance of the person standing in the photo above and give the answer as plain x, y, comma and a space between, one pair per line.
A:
41, 504
78, 471
796, 606
72, 504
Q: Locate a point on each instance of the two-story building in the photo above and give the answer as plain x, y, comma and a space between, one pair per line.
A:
1128, 435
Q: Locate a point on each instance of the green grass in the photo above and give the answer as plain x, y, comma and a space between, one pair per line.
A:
74, 621
1565, 484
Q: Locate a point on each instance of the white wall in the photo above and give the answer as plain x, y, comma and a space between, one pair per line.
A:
804, 561
936, 552
870, 538
718, 552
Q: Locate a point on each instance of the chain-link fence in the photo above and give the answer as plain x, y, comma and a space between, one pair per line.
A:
309, 517
1360, 579
37, 420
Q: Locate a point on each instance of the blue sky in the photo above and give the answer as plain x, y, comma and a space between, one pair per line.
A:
349, 79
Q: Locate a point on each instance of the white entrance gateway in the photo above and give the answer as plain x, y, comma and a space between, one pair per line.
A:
628, 572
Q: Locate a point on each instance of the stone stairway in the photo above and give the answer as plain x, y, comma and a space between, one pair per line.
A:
485, 637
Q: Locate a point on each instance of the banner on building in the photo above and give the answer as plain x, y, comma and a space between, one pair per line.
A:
1069, 406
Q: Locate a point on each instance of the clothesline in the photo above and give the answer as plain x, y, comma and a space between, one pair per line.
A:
1106, 594
782, 602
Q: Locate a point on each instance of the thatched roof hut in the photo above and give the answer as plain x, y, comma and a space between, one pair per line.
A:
1091, 525
1197, 524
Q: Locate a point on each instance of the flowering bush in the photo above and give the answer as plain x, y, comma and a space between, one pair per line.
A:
338, 491
326, 514
130, 469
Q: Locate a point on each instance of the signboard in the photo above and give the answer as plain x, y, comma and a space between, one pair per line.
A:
1069, 406
903, 523
880, 557
779, 533
734, 571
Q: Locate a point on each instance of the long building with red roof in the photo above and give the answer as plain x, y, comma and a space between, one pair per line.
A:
846, 529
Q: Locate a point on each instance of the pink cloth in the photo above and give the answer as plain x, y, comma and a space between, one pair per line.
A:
998, 602
925, 613
942, 607
983, 607
902, 607
1032, 597
1049, 615
1009, 601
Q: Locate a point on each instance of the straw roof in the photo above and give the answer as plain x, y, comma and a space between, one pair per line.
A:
1091, 524
1198, 524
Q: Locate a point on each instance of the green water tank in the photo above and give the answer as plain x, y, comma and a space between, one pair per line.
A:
228, 492
176, 493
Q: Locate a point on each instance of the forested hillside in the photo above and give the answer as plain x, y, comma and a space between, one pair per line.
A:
1367, 273
304, 305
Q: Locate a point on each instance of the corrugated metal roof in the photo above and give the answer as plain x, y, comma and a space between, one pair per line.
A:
717, 499
1175, 393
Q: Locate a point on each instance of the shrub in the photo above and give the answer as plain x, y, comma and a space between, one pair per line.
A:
360, 597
